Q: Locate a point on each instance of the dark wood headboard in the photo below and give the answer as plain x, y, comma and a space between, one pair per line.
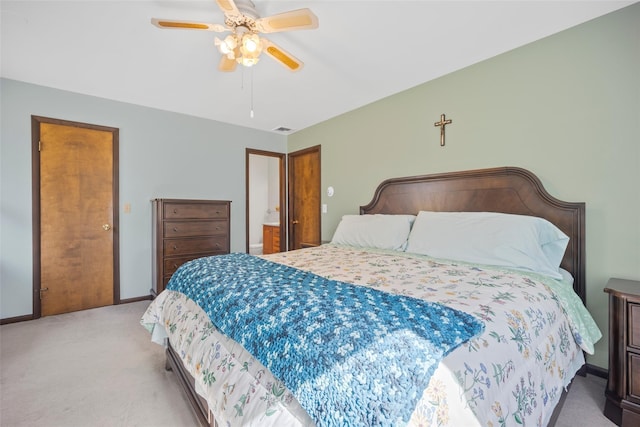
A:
507, 189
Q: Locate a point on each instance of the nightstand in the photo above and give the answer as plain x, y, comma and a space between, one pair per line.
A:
622, 404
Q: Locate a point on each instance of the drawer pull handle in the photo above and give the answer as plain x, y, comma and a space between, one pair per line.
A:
175, 265
175, 211
175, 247
175, 228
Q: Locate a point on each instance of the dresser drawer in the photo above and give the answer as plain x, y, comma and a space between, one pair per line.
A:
634, 325
165, 281
630, 414
195, 228
215, 244
634, 377
172, 264
196, 211
622, 404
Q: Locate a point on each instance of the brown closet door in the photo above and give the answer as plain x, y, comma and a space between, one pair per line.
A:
77, 193
304, 198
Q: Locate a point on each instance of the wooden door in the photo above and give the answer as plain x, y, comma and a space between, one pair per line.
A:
304, 198
75, 216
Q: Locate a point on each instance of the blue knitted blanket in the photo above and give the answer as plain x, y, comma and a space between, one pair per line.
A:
351, 355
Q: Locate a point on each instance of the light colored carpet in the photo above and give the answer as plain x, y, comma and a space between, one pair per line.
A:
99, 368
584, 404
88, 368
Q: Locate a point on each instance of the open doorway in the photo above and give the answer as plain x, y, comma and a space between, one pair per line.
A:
266, 202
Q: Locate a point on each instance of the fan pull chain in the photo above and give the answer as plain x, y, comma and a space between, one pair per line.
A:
251, 89
251, 113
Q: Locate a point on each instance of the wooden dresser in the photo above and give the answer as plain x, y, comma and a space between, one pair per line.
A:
622, 404
184, 230
270, 238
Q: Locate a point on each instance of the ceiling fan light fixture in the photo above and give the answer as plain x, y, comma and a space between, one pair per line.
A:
242, 45
231, 41
227, 46
247, 47
251, 43
248, 61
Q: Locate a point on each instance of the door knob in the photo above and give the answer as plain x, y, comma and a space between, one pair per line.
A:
295, 221
106, 227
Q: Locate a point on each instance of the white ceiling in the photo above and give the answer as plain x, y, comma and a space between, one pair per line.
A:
362, 51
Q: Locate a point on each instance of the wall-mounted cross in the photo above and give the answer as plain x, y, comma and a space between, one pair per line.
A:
442, 123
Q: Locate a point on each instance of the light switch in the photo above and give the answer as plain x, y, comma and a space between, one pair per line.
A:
324, 208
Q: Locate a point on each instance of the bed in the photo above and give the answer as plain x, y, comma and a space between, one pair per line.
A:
394, 326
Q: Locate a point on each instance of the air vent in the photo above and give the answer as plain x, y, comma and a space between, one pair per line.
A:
282, 129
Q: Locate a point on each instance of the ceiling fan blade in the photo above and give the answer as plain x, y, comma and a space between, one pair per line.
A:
301, 19
226, 64
188, 25
229, 8
282, 56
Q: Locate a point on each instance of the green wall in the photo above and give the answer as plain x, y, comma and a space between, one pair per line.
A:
162, 154
566, 108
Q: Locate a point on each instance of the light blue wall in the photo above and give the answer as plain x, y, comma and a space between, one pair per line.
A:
566, 108
162, 154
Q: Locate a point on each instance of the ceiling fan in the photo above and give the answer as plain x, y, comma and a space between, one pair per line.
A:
244, 45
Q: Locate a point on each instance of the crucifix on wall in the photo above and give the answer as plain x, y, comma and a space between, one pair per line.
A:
442, 123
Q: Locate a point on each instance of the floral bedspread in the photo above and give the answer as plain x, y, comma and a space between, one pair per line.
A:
512, 374
328, 340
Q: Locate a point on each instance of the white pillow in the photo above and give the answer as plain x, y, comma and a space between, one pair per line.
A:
566, 276
516, 241
374, 231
